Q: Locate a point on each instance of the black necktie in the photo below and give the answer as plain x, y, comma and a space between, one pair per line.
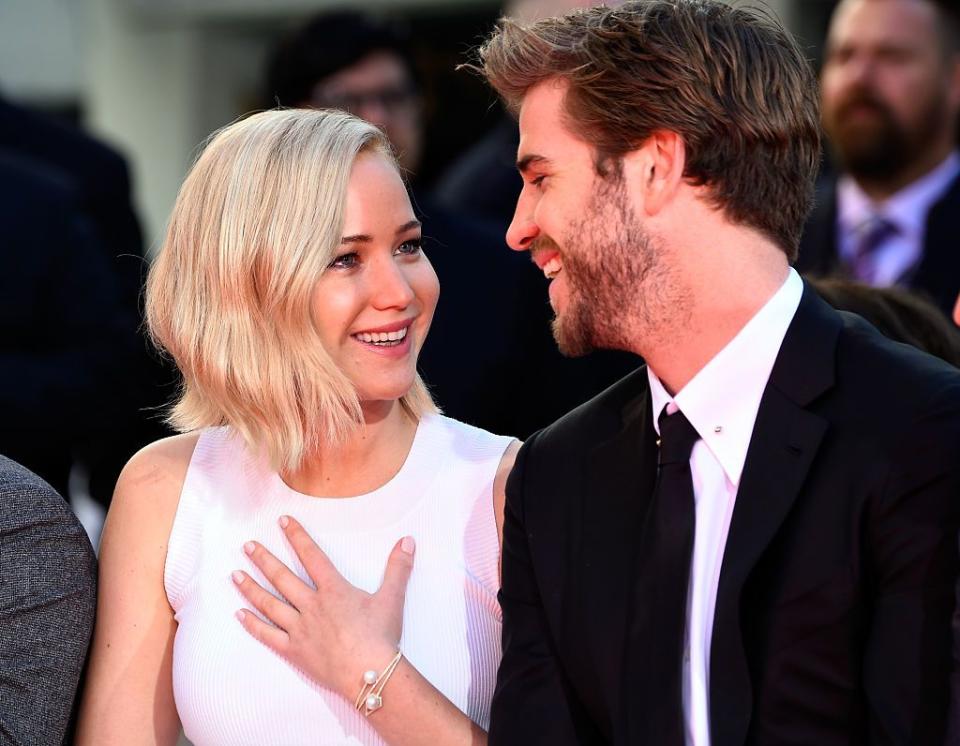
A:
660, 616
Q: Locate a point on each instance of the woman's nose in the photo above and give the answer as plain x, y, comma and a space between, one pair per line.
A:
391, 288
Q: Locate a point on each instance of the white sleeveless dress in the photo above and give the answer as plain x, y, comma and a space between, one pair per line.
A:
229, 688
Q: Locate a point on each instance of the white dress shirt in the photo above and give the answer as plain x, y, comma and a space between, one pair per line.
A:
906, 210
721, 402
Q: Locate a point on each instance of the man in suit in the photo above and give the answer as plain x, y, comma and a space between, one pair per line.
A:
63, 329
891, 107
47, 602
97, 181
753, 540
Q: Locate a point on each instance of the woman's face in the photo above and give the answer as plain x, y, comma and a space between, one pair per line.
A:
374, 304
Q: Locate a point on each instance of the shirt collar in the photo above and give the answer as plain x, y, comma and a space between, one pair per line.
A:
722, 400
907, 209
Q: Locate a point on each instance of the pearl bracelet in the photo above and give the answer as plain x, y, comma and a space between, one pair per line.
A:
370, 698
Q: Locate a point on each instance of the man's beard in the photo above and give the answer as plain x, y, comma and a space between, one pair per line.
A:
617, 280
882, 151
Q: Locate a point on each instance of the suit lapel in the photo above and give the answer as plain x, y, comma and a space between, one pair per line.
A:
618, 482
782, 448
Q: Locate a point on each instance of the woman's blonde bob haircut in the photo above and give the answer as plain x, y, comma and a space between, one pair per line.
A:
257, 221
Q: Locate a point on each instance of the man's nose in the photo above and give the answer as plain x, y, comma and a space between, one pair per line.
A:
859, 70
523, 228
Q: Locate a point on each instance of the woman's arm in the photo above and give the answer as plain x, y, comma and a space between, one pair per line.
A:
336, 632
500, 490
128, 695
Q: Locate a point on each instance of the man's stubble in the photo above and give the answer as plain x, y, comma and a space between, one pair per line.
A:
624, 294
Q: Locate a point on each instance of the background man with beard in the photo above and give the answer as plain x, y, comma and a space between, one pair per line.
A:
754, 538
891, 98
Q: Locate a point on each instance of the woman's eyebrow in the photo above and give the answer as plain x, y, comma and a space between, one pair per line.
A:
366, 238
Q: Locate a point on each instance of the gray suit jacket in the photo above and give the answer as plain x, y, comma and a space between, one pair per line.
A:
47, 603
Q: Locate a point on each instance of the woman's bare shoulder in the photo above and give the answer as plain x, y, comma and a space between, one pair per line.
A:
160, 466
151, 482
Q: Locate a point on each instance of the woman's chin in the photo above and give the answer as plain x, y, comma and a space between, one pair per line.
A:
383, 397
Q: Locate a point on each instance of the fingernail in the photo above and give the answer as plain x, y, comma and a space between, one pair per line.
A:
237, 577
284, 521
248, 547
239, 615
407, 544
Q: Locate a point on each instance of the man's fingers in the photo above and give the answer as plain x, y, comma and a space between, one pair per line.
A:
393, 590
273, 638
277, 611
315, 562
279, 575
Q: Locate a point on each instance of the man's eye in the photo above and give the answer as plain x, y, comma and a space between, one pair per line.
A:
411, 248
538, 181
839, 56
346, 261
895, 56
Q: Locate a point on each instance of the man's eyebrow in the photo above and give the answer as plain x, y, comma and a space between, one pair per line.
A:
524, 164
366, 238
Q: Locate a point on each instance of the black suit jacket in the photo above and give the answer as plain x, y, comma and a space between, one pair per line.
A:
98, 181
62, 324
937, 275
833, 612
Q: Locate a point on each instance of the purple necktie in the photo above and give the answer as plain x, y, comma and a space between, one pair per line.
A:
869, 236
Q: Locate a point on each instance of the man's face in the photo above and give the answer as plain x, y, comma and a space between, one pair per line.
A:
585, 233
886, 85
380, 90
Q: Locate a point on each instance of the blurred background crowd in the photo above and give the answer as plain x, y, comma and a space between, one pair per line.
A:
104, 104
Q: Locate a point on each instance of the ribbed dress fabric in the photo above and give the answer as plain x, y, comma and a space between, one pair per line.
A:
230, 689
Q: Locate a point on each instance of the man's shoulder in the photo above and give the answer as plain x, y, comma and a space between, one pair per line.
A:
596, 419
22, 491
33, 512
896, 385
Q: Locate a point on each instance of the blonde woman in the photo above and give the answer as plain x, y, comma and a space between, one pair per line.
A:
292, 293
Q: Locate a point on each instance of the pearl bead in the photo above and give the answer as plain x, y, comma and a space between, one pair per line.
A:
370, 677
374, 702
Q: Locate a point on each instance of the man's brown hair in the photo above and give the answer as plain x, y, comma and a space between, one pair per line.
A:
730, 81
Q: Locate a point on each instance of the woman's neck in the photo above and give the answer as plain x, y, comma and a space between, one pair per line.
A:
369, 458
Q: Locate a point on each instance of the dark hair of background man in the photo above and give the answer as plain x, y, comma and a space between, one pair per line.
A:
458, 108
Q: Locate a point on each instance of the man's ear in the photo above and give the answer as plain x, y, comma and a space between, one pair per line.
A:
655, 169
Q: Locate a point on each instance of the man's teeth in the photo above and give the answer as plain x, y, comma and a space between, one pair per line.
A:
552, 268
383, 338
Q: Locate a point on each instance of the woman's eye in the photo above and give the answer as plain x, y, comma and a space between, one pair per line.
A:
411, 248
346, 261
